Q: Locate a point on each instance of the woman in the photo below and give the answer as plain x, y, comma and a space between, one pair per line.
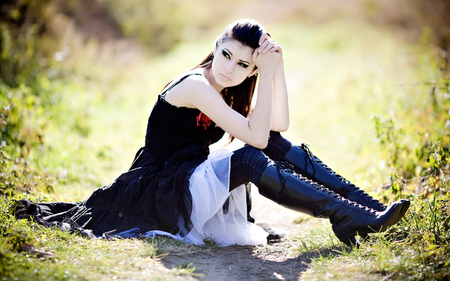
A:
176, 186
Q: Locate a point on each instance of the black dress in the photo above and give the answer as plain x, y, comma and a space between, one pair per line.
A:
155, 190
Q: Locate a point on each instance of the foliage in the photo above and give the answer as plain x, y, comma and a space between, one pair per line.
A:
157, 25
416, 149
46, 122
415, 140
24, 97
71, 257
21, 23
43, 105
160, 26
425, 235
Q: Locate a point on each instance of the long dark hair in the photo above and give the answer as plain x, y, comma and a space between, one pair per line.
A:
248, 33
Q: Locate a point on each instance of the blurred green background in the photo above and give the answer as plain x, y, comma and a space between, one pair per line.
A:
368, 84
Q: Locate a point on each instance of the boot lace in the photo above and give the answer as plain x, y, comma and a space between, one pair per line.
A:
311, 158
282, 167
287, 168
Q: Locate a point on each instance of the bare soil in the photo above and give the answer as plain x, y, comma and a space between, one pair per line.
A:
275, 261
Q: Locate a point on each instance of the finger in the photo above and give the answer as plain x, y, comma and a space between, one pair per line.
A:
262, 38
267, 47
275, 48
263, 46
267, 44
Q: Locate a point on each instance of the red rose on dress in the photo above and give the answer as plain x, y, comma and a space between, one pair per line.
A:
203, 120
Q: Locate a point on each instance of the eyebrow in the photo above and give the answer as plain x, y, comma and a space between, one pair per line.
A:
244, 61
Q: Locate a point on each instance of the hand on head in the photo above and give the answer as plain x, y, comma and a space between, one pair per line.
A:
268, 55
266, 44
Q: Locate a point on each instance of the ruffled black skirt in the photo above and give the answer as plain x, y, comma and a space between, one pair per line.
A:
150, 196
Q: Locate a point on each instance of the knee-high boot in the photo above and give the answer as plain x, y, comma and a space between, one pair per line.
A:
309, 165
348, 218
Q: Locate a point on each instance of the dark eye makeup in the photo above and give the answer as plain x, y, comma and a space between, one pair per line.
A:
243, 65
228, 56
225, 54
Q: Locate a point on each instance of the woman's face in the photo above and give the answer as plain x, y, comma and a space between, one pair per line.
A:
232, 64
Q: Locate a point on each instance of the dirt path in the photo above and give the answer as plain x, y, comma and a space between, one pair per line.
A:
270, 262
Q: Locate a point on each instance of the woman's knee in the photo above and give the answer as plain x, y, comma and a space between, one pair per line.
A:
277, 146
247, 165
251, 155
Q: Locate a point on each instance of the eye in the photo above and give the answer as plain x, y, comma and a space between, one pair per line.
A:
225, 54
243, 65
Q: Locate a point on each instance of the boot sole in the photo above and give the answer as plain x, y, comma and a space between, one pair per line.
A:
404, 208
350, 239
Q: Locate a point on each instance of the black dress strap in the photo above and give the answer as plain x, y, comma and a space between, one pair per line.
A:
174, 83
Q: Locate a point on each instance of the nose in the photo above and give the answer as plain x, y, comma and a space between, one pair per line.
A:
229, 67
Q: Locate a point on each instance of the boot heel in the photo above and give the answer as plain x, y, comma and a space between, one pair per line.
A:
282, 185
363, 235
345, 236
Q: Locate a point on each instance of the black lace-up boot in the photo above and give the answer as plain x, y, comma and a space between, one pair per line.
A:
309, 165
289, 189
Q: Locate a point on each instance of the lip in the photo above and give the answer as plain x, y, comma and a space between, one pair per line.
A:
226, 77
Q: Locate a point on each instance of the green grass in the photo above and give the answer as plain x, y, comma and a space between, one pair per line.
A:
346, 80
416, 249
77, 258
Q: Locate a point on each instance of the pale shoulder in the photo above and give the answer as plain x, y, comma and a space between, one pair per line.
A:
196, 80
187, 91
191, 80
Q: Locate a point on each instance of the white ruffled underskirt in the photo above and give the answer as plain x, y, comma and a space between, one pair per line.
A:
225, 226
209, 187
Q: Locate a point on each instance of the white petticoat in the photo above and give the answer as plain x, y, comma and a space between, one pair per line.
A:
209, 186
211, 221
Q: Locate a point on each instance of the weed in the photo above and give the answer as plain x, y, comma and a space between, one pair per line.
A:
186, 269
59, 124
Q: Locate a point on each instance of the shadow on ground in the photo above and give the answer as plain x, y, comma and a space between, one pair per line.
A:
247, 262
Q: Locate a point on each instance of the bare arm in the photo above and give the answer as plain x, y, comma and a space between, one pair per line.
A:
196, 92
253, 130
280, 111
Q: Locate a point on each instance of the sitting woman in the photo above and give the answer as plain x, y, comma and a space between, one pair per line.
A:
176, 186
